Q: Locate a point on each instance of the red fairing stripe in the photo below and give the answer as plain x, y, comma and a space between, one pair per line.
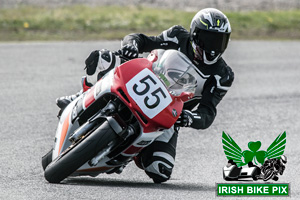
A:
64, 132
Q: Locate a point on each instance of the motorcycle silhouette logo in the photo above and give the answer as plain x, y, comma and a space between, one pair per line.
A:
272, 161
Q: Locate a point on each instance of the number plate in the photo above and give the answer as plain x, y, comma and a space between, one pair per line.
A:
148, 92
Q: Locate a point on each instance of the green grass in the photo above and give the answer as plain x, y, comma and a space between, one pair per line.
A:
266, 25
112, 22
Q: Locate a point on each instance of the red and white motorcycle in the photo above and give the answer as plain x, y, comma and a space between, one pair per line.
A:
125, 111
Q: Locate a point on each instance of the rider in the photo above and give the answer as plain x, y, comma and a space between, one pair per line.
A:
203, 45
278, 164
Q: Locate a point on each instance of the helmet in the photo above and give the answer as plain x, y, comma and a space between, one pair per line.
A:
209, 33
283, 159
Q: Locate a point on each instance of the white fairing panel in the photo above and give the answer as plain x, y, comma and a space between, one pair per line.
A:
103, 86
64, 122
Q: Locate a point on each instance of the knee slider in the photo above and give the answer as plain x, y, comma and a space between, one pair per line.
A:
159, 171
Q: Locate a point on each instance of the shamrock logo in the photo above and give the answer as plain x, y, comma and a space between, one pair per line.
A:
235, 153
258, 156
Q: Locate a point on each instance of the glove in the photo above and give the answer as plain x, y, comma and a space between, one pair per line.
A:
185, 119
130, 51
91, 62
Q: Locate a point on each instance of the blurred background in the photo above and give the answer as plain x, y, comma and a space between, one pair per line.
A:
22, 20
194, 5
263, 102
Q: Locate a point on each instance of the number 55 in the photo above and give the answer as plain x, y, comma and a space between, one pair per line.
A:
154, 94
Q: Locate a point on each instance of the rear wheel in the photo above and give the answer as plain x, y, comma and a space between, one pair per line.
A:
83, 151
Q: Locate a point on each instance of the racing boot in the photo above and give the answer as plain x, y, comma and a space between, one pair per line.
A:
63, 102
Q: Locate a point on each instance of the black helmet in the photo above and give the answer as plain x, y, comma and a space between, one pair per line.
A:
210, 32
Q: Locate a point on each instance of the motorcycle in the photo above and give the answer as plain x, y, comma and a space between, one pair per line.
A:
271, 169
103, 129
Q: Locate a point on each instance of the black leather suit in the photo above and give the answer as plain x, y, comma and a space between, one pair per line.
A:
158, 158
215, 87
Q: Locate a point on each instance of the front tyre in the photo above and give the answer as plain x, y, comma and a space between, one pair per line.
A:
269, 173
47, 159
73, 158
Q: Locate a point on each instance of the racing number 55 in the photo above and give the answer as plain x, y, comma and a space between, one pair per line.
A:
154, 97
148, 92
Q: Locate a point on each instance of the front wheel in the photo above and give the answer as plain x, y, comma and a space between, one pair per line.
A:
83, 151
269, 173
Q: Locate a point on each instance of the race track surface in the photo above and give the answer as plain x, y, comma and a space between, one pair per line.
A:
263, 102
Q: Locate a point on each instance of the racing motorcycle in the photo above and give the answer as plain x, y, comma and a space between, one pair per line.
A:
103, 129
272, 168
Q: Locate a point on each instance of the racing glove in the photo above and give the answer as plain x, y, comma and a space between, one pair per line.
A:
104, 59
185, 119
130, 51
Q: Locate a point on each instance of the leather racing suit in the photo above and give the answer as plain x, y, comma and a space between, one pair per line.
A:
219, 75
158, 158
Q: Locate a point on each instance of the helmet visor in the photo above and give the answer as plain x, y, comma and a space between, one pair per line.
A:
211, 41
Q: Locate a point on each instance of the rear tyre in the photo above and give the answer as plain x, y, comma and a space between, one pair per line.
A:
83, 151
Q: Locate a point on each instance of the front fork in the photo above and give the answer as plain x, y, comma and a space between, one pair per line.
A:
109, 109
104, 114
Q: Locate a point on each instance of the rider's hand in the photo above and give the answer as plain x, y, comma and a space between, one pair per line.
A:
185, 119
130, 51
91, 62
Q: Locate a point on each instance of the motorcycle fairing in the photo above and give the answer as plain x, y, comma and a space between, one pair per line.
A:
68, 122
150, 107
125, 77
114, 82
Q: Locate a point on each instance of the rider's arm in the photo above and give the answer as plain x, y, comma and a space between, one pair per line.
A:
214, 90
168, 39
99, 63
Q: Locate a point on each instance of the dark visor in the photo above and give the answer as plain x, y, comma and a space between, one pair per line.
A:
211, 41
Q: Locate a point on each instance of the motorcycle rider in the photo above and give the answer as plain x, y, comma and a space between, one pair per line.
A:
203, 45
275, 164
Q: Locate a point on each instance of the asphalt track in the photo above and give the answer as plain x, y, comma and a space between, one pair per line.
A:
263, 102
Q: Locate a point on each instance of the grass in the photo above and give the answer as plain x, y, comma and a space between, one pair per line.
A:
112, 22
266, 25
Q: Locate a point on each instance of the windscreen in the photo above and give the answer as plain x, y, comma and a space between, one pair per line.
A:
177, 72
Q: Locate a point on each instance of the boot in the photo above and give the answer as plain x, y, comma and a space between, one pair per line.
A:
62, 102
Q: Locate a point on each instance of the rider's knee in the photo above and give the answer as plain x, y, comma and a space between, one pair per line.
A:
159, 171
158, 158
159, 167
